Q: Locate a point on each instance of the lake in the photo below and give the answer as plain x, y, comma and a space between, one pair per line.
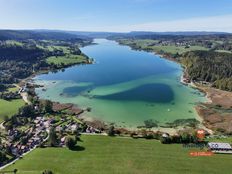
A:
123, 86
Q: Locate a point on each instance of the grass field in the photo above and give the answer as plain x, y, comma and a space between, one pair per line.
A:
111, 155
9, 108
13, 89
175, 49
223, 140
146, 43
66, 60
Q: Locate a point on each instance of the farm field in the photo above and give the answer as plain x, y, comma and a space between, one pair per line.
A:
175, 49
104, 155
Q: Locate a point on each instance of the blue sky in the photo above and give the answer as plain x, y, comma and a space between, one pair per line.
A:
117, 15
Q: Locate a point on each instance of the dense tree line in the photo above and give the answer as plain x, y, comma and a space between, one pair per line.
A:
210, 66
20, 53
39, 35
12, 71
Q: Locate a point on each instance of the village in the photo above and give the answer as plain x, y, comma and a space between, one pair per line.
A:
33, 126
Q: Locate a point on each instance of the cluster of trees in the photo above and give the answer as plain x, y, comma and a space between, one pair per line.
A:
70, 141
53, 138
111, 131
227, 46
44, 106
209, 66
224, 84
184, 138
2, 87
12, 70
3, 158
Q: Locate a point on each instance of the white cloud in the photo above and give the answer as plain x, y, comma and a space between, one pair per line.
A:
215, 23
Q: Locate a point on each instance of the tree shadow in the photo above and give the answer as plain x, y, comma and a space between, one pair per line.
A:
78, 148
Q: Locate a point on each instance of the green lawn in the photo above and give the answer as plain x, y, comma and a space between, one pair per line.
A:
107, 155
9, 108
67, 60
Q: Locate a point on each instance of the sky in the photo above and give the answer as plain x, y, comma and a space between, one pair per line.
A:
117, 15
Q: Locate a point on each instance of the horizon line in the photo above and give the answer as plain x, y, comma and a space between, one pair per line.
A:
95, 31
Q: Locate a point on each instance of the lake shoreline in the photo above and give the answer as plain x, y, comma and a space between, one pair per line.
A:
169, 130
209, 95
212, 95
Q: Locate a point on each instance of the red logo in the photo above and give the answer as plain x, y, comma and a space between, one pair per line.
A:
200, 135
201, 153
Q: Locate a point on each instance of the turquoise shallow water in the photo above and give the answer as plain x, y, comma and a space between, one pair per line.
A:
124, 86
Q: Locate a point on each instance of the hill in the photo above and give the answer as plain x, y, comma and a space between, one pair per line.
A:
38, 35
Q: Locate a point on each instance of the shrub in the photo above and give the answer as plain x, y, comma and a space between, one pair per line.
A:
70, 142
111, 131
47, 172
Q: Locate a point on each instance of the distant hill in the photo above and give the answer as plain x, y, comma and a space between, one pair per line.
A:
182, 33
66, 35
168, 35
37, 35
141, 33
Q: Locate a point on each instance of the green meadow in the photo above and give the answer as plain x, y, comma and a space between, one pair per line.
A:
150, 44
115, 155
9, 108
66, 60
175, 49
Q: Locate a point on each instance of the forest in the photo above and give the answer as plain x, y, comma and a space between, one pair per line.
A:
210, 66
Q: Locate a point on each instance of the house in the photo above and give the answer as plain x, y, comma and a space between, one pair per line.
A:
165, 135
62, 141
220, 147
